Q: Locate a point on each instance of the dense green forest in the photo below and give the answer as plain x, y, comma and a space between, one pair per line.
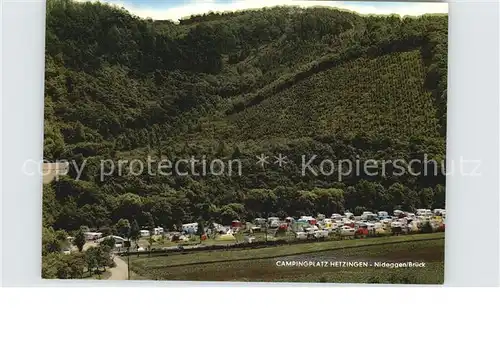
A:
280, 80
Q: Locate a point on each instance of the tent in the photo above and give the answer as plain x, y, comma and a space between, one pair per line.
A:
226, 237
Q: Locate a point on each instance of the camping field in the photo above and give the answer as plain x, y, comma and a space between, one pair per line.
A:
263, 264
238, 238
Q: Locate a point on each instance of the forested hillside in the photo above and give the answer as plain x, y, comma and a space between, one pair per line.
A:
280, 80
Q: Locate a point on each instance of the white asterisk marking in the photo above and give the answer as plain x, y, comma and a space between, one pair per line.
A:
262, 160
280, 160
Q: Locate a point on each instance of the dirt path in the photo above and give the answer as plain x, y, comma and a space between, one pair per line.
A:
119, 272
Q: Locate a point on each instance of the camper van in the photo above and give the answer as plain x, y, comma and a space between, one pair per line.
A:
368, 216
398, 213
347, 231
158, 231
382, 214
318, 234
273, 222
349, 215
311, 220
424, 212
190, 227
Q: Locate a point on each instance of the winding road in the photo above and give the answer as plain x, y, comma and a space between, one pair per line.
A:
119, 272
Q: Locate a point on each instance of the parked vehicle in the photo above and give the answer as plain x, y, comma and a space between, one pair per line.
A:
349, 215
283, 226
369, 216
349, 223
397, 227
386, 221
311, 220
335, 225
301, 235
311, 228
362, 232
274, 223
347, 231
260, 221
382, 215
424, 212
371, 228
398, 213
236, 224
318, 234
328, 223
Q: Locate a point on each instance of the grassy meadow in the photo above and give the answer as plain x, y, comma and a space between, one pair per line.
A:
260, 265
